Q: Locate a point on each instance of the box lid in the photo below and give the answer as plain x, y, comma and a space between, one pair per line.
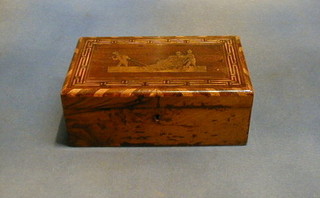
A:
158, 66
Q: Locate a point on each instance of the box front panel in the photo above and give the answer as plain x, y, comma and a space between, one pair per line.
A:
186, 123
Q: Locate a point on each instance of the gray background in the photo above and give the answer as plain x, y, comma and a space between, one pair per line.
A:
281, 43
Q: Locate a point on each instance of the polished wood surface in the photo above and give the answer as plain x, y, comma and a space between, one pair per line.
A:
131, 91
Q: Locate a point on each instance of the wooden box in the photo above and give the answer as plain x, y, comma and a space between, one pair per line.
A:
157, 91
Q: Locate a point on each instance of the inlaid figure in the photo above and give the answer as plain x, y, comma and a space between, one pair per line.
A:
190, 59
123, 59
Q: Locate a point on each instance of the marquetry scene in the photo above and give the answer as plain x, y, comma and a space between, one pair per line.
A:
178, 62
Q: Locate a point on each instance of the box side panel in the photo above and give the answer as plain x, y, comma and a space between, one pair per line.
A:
158, 121
147, 127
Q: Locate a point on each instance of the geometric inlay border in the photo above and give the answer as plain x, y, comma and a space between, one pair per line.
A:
79, 77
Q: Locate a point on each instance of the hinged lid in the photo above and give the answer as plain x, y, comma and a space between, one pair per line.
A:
157, 66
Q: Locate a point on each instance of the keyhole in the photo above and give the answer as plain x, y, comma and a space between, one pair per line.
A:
156, 117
